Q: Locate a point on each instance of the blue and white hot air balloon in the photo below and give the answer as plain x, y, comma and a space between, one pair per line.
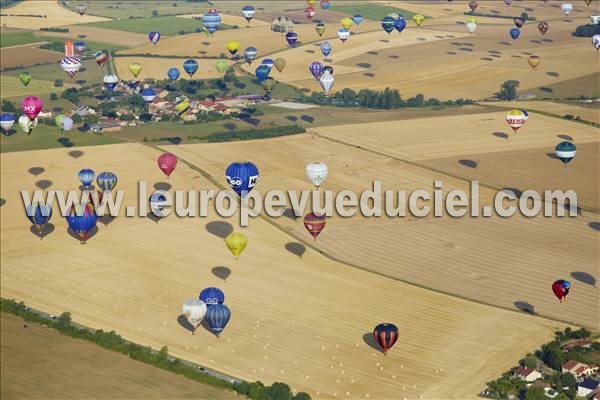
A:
79, 47
173, 74
82, 220
106, 181
86, 177
325, 48
250, 54
39, 215
148, 94
514, 33
157, 204
154, 37
248, 13
357, 19
262, 72
268, 62
217, 317
190, 66
387, 23
565, 151
291, 38
7, 120
211, 21
242, 177
212, 296
110, 82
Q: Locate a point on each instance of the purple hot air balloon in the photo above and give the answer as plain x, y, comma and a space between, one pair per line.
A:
31, 106
292, 38
154, 37
316, 69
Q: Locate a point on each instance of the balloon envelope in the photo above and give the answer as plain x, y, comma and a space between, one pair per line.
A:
314, 224
173, 74
27, 124
31, 106
82, 220
250, 54
190, 66
400, 24
565, 151
268, 62
242, 177
320, 28
167, 163
232, 47
217, 318
86, 176
309, 12
326, 82
25, 78
262, 72
236, 243
221, 66
387, 23
110, 81
280, 64
154, 37
316, 69
39, 214
418, 19
514, 33
212, 296
543, 27
135, 69
516, 119
346, 22
596, 41
357, 19
70, 65
343, 34
386, 336
106, 181
533, 61
325, 48
316, 173
101, 58
79, 47
194, 310
291, 38
66, 124
7, 121
519, 22
148, 94
211, 21
248, 12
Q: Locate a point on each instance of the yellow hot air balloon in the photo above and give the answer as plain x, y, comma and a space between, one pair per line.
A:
534, 61
233, 46
182, 108
280, 64
135, 69
311, 2
418, 18
320, 28
221, 66
236, 243
346, 23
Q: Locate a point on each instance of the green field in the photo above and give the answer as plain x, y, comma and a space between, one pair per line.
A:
90, 72
125, 9
92, 47
15, 38
373, 12
11, 86
167, 26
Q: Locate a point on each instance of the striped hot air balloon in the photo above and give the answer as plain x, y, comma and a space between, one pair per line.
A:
386, 335
86, 177
236, 243
211, 21
82, 220
516, 119
106, 181
217, 318
565, 151
39, 215
70, 65
314, 224
250, 54
316, 69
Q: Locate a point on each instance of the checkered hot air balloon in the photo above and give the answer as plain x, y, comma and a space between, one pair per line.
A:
314, 224
70, 65
316, 69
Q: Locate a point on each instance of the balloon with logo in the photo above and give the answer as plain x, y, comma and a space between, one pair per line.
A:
533, 61
232, 47
7, 121
27, 124
193, 310
514, 33
212, 296
211, 21
262, 72
346, 22
325, 5
473, 5
25, 78
314, 224
387, 23
250, 54
190, 67
418, 19
221, 66
543, 27
565, 152
248, 12
309, 12
110, 81
316, 69
167, 162
326, 82
596, 41
135, 69
236, 243
320, 28
268, 62
82, 219
325, 48
357, 19
70, 65
567, 8
217, 318
106, 181
31, 106
519, 22
280, 64
79, 47
86, 177
343, 34
148, 94
39, 215
516, 119
81, 9
316, 173
101, 58
400, 24
173, 74
154, 37
242, 177
291, 38
386, 335
472, 24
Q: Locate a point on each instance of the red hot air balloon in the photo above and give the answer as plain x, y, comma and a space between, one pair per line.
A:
31, 106
386, 336
167, 163
561, 289
314, 224
309, 12
543, 27
473, 5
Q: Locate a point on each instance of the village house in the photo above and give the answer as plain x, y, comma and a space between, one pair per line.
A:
282, 24
160, 106
82, 110
579, 369
527, 374
548, 391
585, 343
587, 387
107, 125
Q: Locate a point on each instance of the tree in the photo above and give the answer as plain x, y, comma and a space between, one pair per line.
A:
279, 391
508, 90
154, 13
301, 396
568, 379
53, 96
530, 361
64, 319
58, 83
535, 394
8, 106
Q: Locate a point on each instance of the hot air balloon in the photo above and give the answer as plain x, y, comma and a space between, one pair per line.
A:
328, 68
314, 224
519, 22
25, 78
311, 2
157, 203
316, 173
70, 65
595, 19
86, 177
325, 48
320, 28
386, 336
268, 85
167, 163
533, 61
473, 5
236, 243
346, 22
58, 119
343, 34
543, 27
221, 66
173, 74
31, 106
316, 69
65, 124
472, 24
212, 296
291, 38
27, 124
148, 94
357, 19
588, 2
154, 37
514, 33
248, 13
280, 64
110, 81
561, 289
325, 4
250, 54
106, 181
217, 318
135, 69
211, 21
262, 72
309, 12
526, 114
81, 9
242, 177
515, 119
418, 19
7, 121
194, 310
82, 219
39, 215
190, 66
387, 23
79, 47
596, 41
101, 58
567, 8
182, 107
508, 2
232, 47
400, 24
326, 82
268, 62
565, 151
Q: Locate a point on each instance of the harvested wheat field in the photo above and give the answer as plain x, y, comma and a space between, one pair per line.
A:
588, 112
47, 14
101, 35
230, 20
26, 55
310, 329
156, 68
81, 370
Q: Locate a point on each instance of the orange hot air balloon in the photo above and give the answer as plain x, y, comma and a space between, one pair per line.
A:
534, 61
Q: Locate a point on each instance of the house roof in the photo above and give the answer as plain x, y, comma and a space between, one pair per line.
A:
571, 364
524, 371
221, 107
207, 103
589, 384
577, 343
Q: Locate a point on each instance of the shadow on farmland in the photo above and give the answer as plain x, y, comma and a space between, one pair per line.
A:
546, 89
205, 43
221, 272
524, 306
370, 340
518, 193
2, 201
230, 126
439, 36
468, 163
394, 56
460, 23
369, 74
535, 41
373, 53
307, 118
547, 40
364, 65
501, 135
207, 327
106, 219
503, 43
295, 248
91, 234
516, 56
567, 20
45, 231
9, 133
153, 217
289, 213
455, 43
35, 171
292, 118
452, 53
239, 85
529, 9
219, 228
309, 51
527, 53
43, 184
495, 11
384, 40
494, 51
468, 44
486, 59
552, 156
465, 49
568, 207
565, 137
495, 55
66, 142
450, 36
595, 226
553, 74
422, 39
185, 324
174, 140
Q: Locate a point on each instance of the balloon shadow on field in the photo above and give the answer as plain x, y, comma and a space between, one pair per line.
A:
486, 59
290, 213
518, 193
66, 142
35, 170
546, 89
369, 74
153, 217
43, 184
468, 163
535, 41
46, 230
92, 233
291, 118
174, 140
9, 133
384, 41
524, 306
185, 324
552, 156
76, 153
221, 272
2, 202
553, 74
547, 40
394, 56
501, 135
106, 219
307, 118
309, 51
452, 53
207, 328
465, 49
595, 226
505, 43
565, 137
373, 53
370, 340
164, 186
584, 277
295, 248
364, 65
219, 228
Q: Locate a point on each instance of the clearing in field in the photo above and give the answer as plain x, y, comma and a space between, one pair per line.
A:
101, 35
47, 14
14, 37
310, 329
156, 68
168, 25
586, 111
26, 55
81, 369
11, 86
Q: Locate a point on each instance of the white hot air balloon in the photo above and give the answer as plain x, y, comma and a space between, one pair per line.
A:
567, 8
596, 41
595, 19
326, 82
26, 124
110, 81
70, 65
66, 124
316, 173
194, 310
472, 26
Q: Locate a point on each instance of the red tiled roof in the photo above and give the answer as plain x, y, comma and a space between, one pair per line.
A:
569, 365
524, 371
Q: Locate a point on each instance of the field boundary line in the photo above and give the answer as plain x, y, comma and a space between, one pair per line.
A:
24, 45
547, 114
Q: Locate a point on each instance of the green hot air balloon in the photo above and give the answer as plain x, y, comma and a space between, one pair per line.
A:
221, 66
58, 120
25, 78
